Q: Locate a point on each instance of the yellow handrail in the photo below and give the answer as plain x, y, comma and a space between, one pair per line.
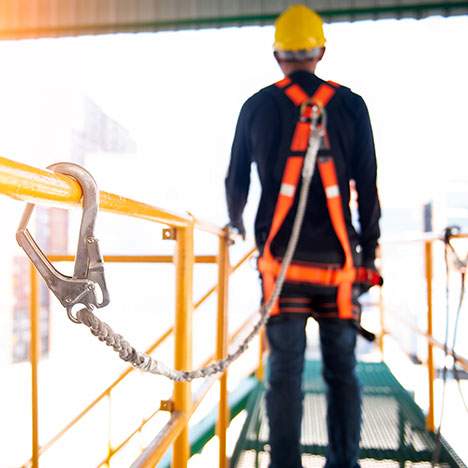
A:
35, 350
23, 182
221, 347
136, 258
430, 422
39, 186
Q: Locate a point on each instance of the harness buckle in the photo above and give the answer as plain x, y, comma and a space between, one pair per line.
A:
87, 286
311, 111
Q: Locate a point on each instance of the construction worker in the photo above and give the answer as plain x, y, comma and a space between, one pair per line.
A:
273, 132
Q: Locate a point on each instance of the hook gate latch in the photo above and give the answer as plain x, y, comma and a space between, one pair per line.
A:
88, 276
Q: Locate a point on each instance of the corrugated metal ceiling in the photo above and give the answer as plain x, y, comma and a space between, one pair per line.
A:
46, 18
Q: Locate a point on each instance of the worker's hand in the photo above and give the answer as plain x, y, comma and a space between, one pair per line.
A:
369, 266
238, 229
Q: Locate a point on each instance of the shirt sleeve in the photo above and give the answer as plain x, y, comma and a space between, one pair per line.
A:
237, 181
364, 172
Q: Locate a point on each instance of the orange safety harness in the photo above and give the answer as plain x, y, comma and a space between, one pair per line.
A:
341, 277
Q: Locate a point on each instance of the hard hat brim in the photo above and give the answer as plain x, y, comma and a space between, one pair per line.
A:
298, 55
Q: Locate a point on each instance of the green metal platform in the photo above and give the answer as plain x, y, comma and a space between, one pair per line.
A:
393, 432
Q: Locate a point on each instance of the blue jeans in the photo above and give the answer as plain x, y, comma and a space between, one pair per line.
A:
284, 396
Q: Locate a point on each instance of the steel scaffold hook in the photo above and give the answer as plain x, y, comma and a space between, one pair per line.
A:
88, 275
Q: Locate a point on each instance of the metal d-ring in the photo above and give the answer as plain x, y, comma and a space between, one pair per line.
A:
89, 266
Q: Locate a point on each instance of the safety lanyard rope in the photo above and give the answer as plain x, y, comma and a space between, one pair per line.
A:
80, 289
461, 267
343, 277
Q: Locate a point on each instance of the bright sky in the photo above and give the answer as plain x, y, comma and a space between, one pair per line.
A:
180, 93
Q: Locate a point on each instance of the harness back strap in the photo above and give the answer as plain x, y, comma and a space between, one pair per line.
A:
268, 265
335, 209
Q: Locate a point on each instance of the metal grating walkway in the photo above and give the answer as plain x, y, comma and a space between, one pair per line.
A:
393, 432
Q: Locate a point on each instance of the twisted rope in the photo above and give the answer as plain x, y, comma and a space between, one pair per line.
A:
146, 363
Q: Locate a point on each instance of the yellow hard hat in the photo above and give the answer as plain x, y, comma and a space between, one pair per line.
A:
298, 28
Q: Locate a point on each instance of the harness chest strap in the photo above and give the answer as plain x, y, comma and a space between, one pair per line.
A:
269, 266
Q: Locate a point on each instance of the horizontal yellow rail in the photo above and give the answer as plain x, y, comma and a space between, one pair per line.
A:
27, 183
427, 237
136, 258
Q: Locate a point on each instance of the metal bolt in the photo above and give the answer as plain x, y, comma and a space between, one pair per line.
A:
68, 300
169, 234
167, 405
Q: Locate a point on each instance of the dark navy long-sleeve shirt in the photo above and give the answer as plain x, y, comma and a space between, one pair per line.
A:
263, 135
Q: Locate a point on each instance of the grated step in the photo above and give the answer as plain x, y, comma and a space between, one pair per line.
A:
393, 431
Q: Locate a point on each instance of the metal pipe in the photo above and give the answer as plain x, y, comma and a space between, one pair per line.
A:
40, 186
382, 323
206, 226
23, 182
113, 451
381, 306
221, 347
34, 356
430, 356
135, 258
183, 339
109, 429
260, 372
160, 444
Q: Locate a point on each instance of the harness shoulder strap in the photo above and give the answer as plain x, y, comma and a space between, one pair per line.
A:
298, 96
292, 171
299, 144
345, 276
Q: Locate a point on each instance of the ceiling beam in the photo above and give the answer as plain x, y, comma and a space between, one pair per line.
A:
416, 10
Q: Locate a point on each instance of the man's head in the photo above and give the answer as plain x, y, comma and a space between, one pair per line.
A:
299, 39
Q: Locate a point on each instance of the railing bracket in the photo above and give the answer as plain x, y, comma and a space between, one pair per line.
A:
167, 405
169, 234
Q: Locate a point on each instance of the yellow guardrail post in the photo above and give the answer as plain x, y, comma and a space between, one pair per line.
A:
430, 357
382, 323
260, 372
109, 429
184, 259
381, 337
34, 355
221, 346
